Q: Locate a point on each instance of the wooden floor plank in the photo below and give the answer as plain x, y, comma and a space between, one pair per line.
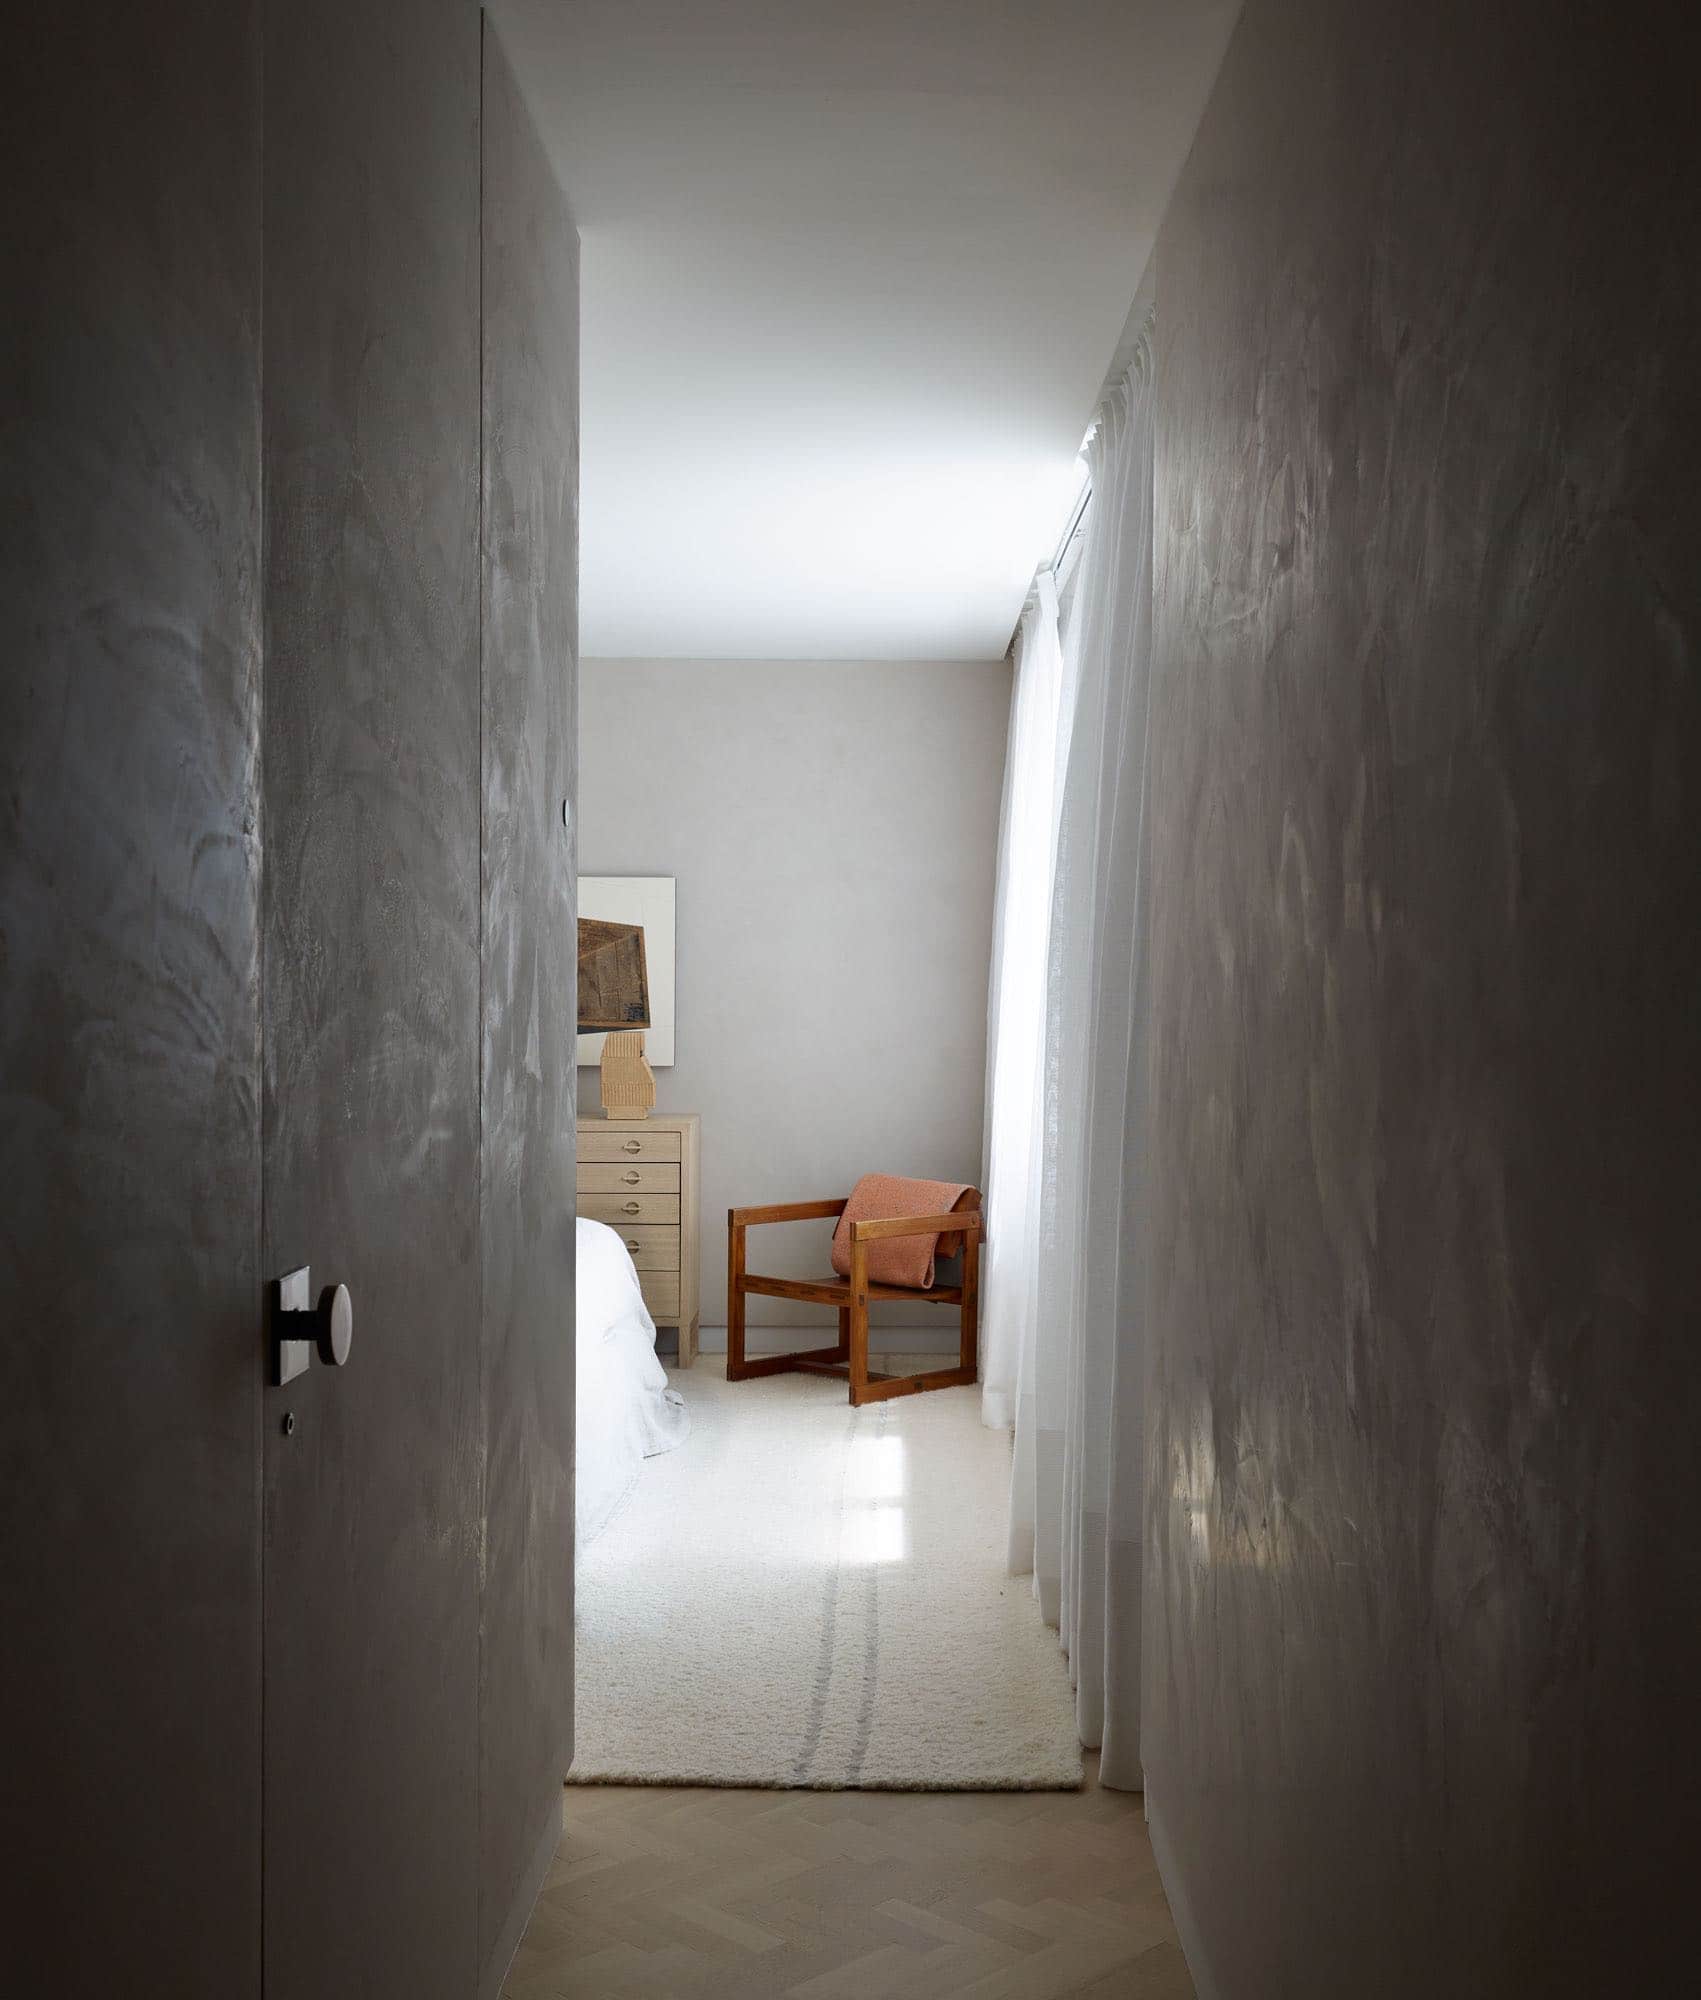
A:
711, 1894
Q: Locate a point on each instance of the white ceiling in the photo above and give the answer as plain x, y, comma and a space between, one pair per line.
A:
852, 277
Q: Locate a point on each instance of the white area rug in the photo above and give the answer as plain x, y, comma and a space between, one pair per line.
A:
809, 1595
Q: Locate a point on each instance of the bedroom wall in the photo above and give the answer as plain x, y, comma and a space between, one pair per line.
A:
833, 828
1424, 1530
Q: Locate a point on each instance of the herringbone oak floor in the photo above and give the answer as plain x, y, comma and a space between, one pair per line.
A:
741, 1895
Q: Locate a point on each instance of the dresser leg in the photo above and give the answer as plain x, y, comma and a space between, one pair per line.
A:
687, 1343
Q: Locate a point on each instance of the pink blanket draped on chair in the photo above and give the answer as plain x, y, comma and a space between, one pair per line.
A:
901, 1260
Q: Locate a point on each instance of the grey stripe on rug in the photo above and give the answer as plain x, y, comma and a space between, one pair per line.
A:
809, 1595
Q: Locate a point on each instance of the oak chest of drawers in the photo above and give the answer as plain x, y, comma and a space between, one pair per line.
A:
640, 1177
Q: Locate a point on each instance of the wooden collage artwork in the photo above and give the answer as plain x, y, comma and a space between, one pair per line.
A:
614, 985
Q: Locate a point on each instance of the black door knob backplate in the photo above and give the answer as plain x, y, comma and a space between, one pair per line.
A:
299, 1328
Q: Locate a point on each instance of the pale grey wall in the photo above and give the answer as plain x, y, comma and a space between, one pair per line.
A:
833, 828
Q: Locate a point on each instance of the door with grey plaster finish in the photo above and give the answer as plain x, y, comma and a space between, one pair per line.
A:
273, 913
530, 742
1424, 1531
371, 980
129, 1102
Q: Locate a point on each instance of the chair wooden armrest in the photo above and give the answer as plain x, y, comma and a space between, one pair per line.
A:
785, 1211
965, 1223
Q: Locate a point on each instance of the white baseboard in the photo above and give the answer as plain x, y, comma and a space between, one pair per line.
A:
881, 1339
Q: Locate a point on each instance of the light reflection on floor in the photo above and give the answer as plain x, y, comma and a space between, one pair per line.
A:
876, 1485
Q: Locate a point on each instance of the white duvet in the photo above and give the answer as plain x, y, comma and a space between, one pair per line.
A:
626, 1412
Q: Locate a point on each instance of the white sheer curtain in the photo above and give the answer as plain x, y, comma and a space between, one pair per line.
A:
1077, 1476
1015, 1040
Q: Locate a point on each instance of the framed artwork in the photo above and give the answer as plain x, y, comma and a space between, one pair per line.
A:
645, 900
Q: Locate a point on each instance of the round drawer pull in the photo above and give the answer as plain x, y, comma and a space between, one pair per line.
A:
633, 1246
632, 1146
631, 1207
631, 1179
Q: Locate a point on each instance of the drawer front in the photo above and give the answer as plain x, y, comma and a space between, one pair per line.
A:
617, 1141
627, 1179
653, 1248
620, 1211
661, 1295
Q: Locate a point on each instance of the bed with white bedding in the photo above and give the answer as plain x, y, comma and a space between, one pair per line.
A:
626, 1412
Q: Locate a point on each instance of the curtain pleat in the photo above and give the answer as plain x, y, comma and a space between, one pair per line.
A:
1016, 1026
1066, 1297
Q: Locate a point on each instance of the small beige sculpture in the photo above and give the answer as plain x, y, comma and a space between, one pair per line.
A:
628, 1082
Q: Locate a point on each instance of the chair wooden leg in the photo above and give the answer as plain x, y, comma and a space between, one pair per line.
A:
858, 1323
735, 1301
968, 1336
842, 1351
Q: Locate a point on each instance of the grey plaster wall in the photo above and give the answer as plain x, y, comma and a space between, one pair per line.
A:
833, 828
129, 1004
530, 289
1424, 1531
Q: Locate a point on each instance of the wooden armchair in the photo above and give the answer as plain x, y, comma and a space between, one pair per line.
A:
851, 1296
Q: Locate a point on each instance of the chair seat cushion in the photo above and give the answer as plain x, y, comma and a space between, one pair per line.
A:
901, 1260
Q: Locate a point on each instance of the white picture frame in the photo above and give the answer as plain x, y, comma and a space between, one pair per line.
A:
646, 900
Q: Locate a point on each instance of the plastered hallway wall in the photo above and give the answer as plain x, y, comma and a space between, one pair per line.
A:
833, 829
1422, 1567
